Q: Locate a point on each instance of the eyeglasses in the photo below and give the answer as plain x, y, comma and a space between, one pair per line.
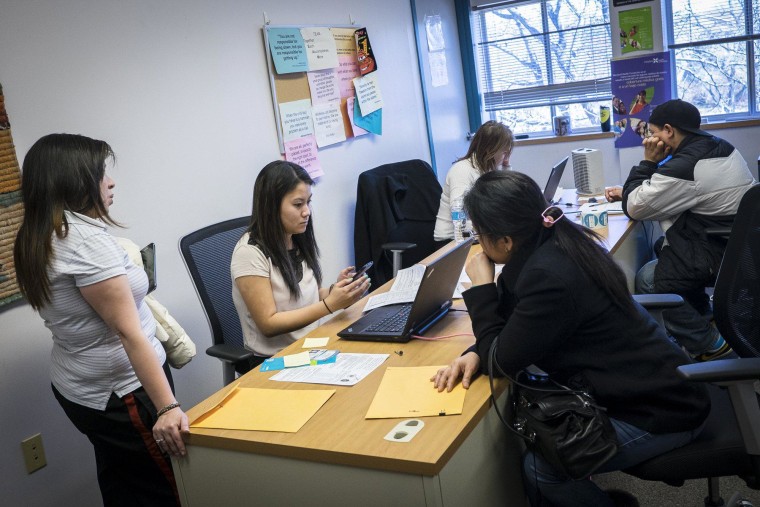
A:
550, 219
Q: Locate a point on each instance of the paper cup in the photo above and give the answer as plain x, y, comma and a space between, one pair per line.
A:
594, 219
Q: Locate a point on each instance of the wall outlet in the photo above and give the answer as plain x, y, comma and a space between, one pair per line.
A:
34, 453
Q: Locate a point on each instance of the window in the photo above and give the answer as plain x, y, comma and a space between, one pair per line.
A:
716, 51
537, 59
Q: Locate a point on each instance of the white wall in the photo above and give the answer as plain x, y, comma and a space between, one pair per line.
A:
179, 88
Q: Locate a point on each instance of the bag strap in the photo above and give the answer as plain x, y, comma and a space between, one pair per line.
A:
491, 362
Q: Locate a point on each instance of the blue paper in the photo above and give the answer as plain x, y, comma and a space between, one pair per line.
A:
373, 122
316, 356
288, 50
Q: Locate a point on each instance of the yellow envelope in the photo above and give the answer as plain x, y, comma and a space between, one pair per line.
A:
247, 408
408, 392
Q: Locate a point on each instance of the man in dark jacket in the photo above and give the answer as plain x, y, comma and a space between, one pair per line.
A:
689, 180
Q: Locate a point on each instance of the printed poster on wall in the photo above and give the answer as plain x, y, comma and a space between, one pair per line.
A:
638, 85
636, 30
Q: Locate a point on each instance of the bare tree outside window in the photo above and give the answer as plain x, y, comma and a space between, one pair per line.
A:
716, 54
545, 58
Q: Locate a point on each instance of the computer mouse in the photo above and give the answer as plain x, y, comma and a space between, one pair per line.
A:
592, 199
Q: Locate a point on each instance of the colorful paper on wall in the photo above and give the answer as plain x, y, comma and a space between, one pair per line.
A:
303, 151
372, 122
255, 409
328, 124
364, 53
368, 93
352, 108
636, 30
324, 86
348, 69
288, 50
638, 86
296, 119
345, 41
320, 48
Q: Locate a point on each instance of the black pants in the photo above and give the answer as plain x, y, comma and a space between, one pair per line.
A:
132, 470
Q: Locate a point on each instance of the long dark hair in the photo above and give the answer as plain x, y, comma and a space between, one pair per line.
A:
489, 141
508, 203
61, 172
274, 181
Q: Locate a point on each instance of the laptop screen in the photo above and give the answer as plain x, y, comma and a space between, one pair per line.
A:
554, 178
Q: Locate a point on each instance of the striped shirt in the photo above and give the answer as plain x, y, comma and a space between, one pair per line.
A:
88, 360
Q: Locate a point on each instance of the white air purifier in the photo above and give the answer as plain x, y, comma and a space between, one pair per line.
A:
588, 171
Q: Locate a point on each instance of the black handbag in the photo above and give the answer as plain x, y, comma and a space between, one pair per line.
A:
565, 426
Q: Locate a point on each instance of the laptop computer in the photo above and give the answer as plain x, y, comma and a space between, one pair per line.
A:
397, 323
554, 178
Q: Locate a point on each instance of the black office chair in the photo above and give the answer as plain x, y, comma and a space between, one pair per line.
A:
396, 206
730, 442
207, 254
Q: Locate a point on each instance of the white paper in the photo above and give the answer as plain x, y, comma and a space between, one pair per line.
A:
403, 290
328, 124
323, 85
439, 71
320, 48
347, 370
300, 359
368, 93
315, 342
296, 120
434, 30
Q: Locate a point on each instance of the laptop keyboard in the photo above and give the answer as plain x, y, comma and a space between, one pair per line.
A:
393, 323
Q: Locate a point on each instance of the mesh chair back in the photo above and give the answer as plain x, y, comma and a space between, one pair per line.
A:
736, 300
207, 254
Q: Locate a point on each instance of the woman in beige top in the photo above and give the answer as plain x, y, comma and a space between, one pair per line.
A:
277, 287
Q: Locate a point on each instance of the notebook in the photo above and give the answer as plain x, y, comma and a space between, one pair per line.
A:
397, 323
554, 178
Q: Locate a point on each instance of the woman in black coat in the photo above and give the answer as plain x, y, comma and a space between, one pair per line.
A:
562, 304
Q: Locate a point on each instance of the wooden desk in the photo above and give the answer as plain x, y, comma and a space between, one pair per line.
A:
340, 458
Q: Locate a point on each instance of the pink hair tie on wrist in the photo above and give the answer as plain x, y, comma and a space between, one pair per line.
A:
549, 220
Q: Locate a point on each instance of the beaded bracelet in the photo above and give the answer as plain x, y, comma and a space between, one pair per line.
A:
167, 408
328, 308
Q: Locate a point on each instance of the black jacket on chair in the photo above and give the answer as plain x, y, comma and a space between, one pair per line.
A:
395, 202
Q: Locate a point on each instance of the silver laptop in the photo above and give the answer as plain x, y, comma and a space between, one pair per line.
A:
552, 183
398, 323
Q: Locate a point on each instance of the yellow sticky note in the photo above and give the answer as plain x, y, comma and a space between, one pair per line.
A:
408, 392
264, 409
310, 343
300, 359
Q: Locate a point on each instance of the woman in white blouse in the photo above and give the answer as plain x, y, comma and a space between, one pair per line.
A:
490, 149
277, 280
107, 364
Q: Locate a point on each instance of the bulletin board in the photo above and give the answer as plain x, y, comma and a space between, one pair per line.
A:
324, 88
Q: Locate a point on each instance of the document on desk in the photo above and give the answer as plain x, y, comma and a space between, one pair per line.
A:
347, 370
246, 408
408, 392
403, 290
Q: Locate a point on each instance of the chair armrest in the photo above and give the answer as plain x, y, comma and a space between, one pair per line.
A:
400, 246
722, 370
658, 301
230, 353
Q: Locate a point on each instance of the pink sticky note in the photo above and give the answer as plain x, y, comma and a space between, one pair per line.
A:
303, 151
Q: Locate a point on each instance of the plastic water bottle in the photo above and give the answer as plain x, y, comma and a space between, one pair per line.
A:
459, 219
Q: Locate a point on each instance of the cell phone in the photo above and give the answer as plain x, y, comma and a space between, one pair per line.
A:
362, 271
148, 255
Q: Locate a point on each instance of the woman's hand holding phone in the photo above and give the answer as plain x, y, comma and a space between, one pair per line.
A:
349, 290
